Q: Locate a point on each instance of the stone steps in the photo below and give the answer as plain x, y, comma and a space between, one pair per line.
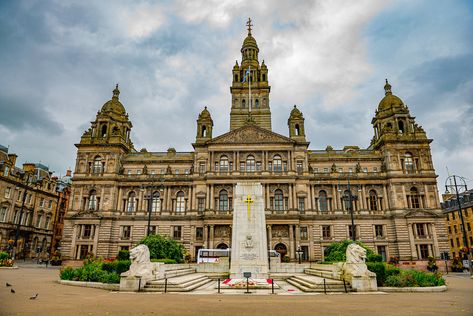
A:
311, 283
183, 283
178, 272
319, 273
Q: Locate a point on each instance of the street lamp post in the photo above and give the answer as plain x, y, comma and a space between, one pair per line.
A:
350, 197
299, 253
151, 197
460, 187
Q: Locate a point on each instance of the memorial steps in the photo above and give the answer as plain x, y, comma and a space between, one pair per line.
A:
312, 283
182, 280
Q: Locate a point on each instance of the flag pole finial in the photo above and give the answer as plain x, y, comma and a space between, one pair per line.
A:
249, 26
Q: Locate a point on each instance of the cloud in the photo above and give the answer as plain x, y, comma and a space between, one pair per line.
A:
60, 61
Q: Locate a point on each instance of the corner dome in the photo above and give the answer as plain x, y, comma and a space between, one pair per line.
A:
390, 100
114, 105
295, 112
249, 42
204, 114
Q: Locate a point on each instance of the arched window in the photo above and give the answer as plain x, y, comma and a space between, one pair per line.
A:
223, 164
408, 162
373, 200
250, 163
415, 198
236, 78
323, 205
131, 202
401, 127
257, 103
97, 166
92, 200
277, 163
156, 202
104, 130
223, 200
264, 77
180, 202
278, 200
243, 103
204, 131
297, 130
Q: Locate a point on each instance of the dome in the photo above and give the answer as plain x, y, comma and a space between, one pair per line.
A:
390, 100
114, 105
204, 114
295, 112
249, 42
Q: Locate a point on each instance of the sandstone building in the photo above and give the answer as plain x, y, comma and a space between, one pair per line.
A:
454, 224
396, 206
31, 197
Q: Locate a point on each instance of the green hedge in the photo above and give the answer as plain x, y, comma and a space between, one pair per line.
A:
117, 266
161, 247
165, 261
382, 271
4, 255
414, 278
96, 271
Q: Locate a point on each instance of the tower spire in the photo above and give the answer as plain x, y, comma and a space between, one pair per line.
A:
249, 26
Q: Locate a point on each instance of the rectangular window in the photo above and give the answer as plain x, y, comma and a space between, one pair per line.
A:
83, 251
379, 231
304, 233
326, 232
201, 167
258, 166
301, 203
382, 252
420, 228
424, 251
365, 169
41, 202
18, 198
325, 170
199, 233
451, 243
138, 172
126, 232
50, 205
458, 242
340, 170
200, 204
3, 214
299, 166
176, 232
7, 192
350, 170
38, 222
316, 170
350, 231
242, 167
46, 223
153, 230
86, 231
453, 215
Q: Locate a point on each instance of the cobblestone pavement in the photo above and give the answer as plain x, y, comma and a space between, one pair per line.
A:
56, 299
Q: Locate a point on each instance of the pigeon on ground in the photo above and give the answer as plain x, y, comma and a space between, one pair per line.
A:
7, 284
34, 296
12, 291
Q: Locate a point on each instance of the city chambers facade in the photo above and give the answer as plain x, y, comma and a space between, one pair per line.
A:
119, 194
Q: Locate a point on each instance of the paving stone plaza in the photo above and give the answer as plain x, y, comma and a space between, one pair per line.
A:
56, 299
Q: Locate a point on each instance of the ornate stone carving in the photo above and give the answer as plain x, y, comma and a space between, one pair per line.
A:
140, 262
281, 231
251, 134
222, 231
356, 271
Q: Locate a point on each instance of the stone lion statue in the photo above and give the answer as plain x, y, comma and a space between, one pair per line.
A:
355, 263
140, 262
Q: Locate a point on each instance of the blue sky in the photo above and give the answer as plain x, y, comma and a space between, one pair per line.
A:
60, 61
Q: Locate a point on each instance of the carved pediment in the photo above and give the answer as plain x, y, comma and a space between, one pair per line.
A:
420, 213
250, 134
86, 214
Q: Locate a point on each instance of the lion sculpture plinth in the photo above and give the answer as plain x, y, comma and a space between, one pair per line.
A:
356, 272
141, 270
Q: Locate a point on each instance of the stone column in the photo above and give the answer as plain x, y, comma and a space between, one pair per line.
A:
96, 239
290, 197
291, 242
412, 242
212, 237
435, 241
206, 238
270, 236
207, 197
73, 241
311, 242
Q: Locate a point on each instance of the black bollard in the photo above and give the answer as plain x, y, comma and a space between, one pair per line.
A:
218, 280
345, 286
139, 284
247, 286
165, 285
325, 287
272, 286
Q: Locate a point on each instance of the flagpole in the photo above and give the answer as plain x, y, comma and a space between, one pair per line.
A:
249, 87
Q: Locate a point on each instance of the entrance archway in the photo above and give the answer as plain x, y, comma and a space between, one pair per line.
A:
222, 246
281, 249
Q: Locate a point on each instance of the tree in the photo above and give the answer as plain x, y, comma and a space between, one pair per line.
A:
336, 252
161, 247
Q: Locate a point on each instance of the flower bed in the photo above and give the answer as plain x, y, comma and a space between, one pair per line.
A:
5, 260
390, 276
